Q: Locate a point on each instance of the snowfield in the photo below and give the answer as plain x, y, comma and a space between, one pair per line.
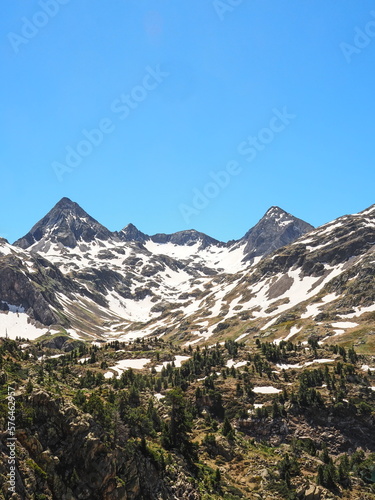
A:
18, 325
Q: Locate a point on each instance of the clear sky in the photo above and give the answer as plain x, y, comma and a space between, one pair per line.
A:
134, 109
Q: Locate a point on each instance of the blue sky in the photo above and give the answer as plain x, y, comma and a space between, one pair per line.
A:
178, 91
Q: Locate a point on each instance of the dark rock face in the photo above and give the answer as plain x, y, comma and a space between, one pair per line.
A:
15, 288
66, 223
275, 230
63, 343
104, 279
357, 285
35, 290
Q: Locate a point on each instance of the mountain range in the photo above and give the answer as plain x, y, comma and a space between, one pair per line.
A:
284, 278
176, 366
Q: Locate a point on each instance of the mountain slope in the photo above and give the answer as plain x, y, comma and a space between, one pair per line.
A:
191, 288
28, 286
319, 281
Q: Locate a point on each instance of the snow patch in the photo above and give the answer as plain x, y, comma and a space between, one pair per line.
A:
344, 324
266, 390
127, 364
177, 362
231, 363
366, 368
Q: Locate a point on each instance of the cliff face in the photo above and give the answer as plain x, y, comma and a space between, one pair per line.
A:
17, 288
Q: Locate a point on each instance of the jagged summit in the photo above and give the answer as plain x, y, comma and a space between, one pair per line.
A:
275, 212
132, 233
277, 228
66, 223
67, 204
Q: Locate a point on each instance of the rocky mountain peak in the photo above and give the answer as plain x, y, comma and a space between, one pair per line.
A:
66, 223
278, 215
275, 211
277, 228
67, 204
132, 233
